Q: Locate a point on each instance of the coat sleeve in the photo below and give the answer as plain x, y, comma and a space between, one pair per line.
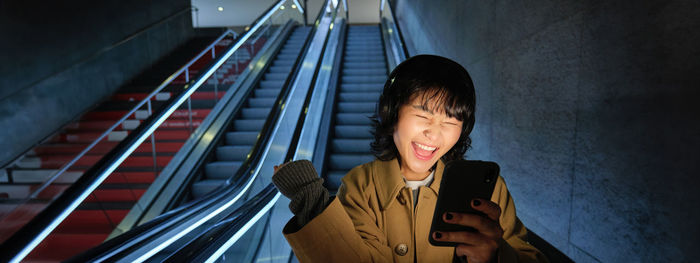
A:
346, 231
515, 248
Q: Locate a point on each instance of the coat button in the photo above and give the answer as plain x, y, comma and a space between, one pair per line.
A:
401, 249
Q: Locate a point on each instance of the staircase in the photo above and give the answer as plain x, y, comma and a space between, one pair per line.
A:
96, 217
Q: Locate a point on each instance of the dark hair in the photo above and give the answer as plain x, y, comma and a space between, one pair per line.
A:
432, 78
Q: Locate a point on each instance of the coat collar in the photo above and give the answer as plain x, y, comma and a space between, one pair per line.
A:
387, 176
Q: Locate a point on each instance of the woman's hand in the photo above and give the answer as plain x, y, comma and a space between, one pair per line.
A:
479, 246
277, 167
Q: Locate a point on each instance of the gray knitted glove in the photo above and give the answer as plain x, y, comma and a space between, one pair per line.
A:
299, 182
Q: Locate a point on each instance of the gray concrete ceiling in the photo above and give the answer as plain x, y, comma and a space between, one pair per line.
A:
234, 13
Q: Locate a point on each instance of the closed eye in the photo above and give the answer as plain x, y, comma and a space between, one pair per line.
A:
421, 116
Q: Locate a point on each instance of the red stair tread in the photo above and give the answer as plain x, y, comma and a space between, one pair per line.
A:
16, 218
56, 161
131, 177
115, 115
59, 247
178, 133
104, 147
115, 195
100, 125
73, 148
136, 96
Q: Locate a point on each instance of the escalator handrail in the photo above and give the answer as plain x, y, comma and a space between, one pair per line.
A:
395, 25
28, 237
213, 242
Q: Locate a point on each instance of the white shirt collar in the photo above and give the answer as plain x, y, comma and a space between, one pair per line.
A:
415, 184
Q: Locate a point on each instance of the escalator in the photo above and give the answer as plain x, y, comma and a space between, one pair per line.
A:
362, 78
249, 121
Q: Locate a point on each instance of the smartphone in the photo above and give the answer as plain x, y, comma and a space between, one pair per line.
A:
462, 181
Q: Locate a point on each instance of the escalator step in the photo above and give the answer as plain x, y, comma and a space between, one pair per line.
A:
362, 87
280, 69
221, 170
200, 188
278, 76
355, 65
357, 107
248, 125
333, 179
255, 113
261, 102
365, 53
232, 153
279, 62
348, 161
352, 131
358, 96
364, 59
351, 145
364, 72
353, 119
271, 84
267, 93
241, 138
363, 79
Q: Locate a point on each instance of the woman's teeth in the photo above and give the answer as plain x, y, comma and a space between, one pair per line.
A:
425, 147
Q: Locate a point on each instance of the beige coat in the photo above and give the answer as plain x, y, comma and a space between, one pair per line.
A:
371, 220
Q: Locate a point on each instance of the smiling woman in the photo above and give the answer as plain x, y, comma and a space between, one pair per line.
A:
424, 117
427, 103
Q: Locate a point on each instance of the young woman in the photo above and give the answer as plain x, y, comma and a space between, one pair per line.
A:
383, 209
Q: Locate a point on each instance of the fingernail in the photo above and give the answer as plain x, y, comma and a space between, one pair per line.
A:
438, 235
476, 202
448, 216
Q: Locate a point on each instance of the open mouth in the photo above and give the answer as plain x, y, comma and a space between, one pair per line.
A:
423, 151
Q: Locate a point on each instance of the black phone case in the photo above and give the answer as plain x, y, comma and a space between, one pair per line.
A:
461, 182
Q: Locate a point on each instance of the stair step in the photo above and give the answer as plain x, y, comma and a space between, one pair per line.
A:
353, 119
232, 153
351, 145
221, 170
353, 131
348, 161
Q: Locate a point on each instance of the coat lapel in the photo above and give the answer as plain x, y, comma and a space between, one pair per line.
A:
387, 176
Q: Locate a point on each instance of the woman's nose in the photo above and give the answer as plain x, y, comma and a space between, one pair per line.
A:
432, 132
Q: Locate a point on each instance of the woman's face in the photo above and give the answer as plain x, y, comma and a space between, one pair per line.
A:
423, 136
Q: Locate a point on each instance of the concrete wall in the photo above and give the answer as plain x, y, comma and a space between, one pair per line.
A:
590, 107
52, 66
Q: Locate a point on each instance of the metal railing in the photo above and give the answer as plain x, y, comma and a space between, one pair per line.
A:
393, 38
